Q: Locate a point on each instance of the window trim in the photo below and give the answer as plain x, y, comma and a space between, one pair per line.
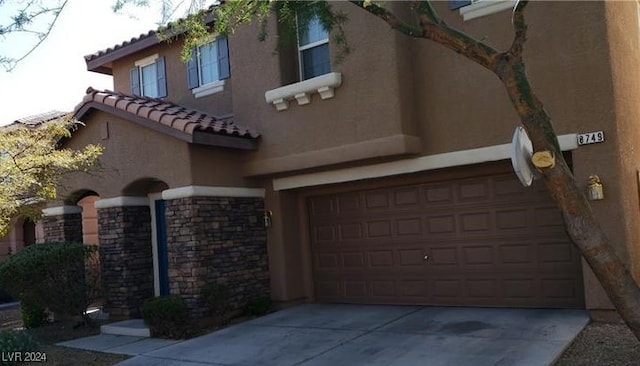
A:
147, 61
161, 77
309, 46
195, 66
481, 8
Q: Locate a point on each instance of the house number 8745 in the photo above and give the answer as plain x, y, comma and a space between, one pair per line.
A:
590, 138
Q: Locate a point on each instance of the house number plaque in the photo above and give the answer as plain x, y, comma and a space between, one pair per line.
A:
590, 138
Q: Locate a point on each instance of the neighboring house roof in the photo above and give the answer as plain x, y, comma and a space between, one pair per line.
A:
37, 119
163, 116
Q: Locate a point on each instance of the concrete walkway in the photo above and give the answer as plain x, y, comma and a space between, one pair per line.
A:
333, 335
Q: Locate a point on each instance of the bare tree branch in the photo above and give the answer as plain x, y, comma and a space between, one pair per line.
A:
18, 26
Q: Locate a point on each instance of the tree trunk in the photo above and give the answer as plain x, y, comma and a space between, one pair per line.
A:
580, 222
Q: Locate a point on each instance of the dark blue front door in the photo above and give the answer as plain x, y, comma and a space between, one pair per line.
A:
163, 259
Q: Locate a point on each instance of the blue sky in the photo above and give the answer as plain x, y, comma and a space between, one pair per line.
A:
54, 76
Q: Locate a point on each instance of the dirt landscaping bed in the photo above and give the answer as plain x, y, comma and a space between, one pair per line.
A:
47, 336
606, 341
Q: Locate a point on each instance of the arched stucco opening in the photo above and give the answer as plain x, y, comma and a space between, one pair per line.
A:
85, 199
23, 232
144, 187
88, 227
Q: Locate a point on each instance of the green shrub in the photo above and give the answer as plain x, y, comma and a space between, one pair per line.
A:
166, 316
50, 276
5, 298
14, 341
33, 315
258, 306
216, 298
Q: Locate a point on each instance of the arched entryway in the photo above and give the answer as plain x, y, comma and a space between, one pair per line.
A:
152, 188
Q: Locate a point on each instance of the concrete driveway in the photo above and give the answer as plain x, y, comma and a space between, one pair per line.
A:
318, 334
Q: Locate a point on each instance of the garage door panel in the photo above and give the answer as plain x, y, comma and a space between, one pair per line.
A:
411, 226
324, 234
478, 256
327, 261
473, 190
513, 220
379, 229
474, 222
517, 254
348, 203
412, 257
328, 289
356, 289
548, 217
353, 260
438, 194
441, 225
322, 205
488, 242
445, 289
376, 200
413, 289
439, 256
483, 288
406, 197
350, 231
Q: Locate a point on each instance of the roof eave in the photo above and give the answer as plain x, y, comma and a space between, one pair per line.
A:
98, 63
198, 137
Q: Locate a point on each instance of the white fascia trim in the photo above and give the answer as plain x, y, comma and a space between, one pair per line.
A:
208, 89
423, 163
485, 7
323, 85
121, 202
61, 210
207, 191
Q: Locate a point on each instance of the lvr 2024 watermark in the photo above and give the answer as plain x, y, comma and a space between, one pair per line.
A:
23, 357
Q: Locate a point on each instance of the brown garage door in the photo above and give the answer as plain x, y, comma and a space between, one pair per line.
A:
484, 241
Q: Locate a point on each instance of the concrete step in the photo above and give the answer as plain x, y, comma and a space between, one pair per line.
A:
131, 327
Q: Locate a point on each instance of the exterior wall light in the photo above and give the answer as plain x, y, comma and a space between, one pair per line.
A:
595, 190
267, 218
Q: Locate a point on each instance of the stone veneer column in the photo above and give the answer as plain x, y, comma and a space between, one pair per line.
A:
217, 240
126, 259
62, 224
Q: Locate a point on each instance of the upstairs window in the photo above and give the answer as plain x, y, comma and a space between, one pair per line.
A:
313, 49
208, 66
457, 4
148, 77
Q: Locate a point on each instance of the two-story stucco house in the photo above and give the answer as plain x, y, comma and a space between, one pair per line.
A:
384, 179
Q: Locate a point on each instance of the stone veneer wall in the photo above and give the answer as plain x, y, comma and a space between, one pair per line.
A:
63, 228
217, 240
126, 258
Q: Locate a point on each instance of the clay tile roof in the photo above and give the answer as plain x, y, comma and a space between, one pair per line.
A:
101, 61
149, 34
161, 113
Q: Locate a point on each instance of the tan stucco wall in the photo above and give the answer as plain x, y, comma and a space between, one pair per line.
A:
367, 105
89, 220
134, 153
218, 104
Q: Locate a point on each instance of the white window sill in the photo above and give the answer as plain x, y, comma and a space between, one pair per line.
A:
208, 89
301, 92
485, 7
